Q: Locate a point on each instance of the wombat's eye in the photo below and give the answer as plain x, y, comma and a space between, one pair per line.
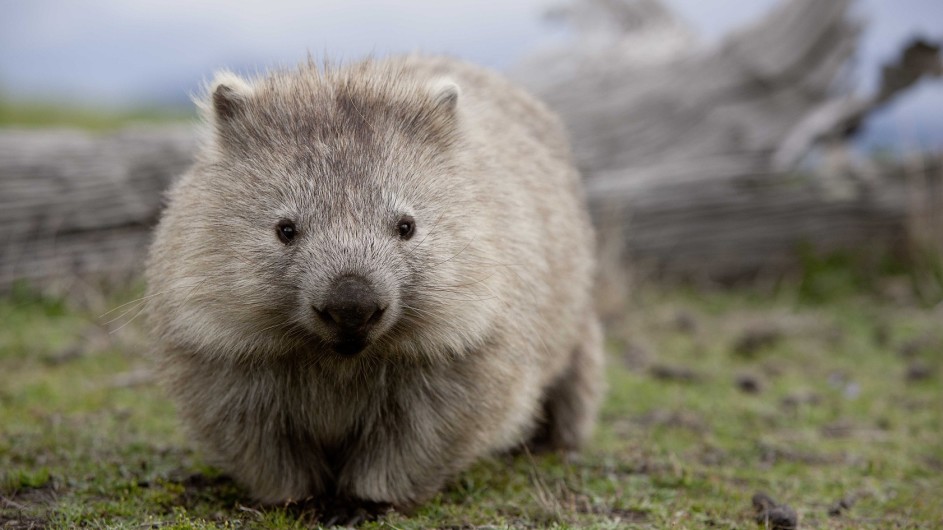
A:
286, 231
405, 227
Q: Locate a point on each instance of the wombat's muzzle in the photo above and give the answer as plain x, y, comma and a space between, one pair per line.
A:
351, 310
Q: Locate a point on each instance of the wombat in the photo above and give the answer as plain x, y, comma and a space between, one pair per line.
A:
373, 275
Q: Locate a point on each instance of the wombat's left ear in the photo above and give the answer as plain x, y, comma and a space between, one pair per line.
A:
228, 94
445, 93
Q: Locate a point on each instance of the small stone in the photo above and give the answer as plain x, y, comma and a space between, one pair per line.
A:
780, 518
773, 515
749, 383
762, 502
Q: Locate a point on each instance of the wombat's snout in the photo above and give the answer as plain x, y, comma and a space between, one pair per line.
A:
351, 309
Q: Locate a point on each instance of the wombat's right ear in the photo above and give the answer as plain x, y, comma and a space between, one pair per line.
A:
228, 95
445, 93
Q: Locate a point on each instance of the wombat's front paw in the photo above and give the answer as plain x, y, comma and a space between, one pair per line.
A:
381, 484
338, 511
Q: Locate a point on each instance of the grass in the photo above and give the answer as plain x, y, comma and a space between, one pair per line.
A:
713, 397
45, 114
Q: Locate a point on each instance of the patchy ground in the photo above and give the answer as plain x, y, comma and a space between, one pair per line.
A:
833, 411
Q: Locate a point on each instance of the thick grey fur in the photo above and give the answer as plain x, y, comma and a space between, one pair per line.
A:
488, 335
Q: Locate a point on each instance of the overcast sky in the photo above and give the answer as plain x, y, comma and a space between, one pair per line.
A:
132, 52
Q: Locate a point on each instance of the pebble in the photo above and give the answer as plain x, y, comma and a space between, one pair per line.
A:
749, 383
773, 515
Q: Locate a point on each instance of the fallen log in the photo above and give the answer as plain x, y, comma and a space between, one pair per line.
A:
725, 223
738, 100
692, 162
74, 203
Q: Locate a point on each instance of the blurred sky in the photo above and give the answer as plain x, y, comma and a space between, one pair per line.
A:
155, 52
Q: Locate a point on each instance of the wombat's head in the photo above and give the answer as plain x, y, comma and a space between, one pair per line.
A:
330, 212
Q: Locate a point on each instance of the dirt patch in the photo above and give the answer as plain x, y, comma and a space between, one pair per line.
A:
196, 488
43, 496
22, 500
15, 510
21, 522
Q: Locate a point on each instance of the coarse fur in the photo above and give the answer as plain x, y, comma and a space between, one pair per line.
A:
488, 336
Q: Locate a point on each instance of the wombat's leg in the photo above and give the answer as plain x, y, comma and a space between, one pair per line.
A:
423, 438
571, 403
278, 471
401, 468
271, 452
244, 424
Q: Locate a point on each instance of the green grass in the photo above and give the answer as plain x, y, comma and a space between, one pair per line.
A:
47, 114
86, 441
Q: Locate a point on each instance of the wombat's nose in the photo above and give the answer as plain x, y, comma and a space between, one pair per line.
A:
352, 307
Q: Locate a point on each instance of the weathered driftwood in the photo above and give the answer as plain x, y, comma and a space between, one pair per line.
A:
72, 202
726, 223
691, 158
840, 117
687, 153
740, 98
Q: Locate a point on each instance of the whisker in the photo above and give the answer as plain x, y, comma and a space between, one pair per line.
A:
141, 299
116, 330
452, 257
129, 310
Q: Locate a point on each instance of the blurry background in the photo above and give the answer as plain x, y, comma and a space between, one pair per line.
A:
112, 55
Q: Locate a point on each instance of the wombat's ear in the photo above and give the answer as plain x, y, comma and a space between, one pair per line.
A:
228, 94
445, 93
